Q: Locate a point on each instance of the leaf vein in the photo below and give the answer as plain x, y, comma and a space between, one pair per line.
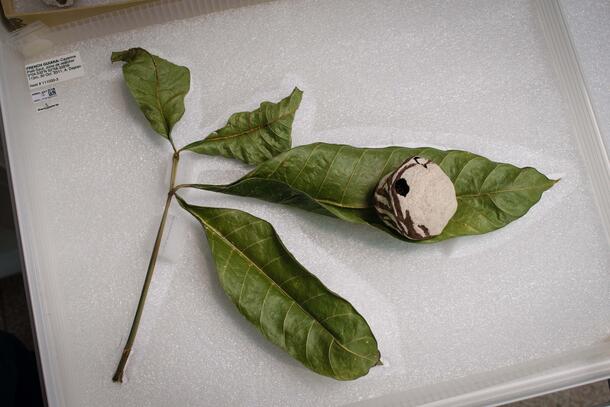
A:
260, 316
500, 191
330, 360
386, 163
328, 171
284, 321
244, 226
314, 297
352, 174
313, 321
253, 129
440, 164
304, 165
241, 289
344, 314
157, 97
257, 242
464, 167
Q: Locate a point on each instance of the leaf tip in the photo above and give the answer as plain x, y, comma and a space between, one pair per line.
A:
552, 183
297, 92
117, 56
126, 55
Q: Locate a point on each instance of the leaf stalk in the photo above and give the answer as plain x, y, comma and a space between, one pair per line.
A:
120, 370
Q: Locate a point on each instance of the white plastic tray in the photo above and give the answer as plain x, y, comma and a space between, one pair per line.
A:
477, 321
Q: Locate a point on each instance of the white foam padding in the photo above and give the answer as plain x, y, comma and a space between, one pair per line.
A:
472, 75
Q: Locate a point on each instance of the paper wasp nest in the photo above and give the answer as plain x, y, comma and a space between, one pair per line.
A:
417, 200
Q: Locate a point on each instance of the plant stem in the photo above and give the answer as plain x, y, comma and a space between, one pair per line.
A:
172, 181
118, 375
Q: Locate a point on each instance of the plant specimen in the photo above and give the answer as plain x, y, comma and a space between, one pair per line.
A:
414, 194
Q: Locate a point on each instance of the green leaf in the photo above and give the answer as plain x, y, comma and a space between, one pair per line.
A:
253, 137
289, 305
157, 85
338, 180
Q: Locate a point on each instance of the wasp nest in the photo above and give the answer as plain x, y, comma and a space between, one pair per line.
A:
417, 200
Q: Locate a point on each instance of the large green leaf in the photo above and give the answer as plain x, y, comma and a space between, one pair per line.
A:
289, 305
254, 137
157, 85
338, 180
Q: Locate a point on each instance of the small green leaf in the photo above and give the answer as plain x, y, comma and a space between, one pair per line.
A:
288, 304
157, 85
338, 180
254, 137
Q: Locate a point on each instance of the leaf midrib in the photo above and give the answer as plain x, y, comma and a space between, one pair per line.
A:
250, 130
481, 194
343, 206
157, 97
241, 253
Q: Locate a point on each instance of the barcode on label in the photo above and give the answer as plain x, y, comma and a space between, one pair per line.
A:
42, 95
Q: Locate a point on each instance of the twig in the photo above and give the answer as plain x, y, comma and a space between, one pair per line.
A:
118, 375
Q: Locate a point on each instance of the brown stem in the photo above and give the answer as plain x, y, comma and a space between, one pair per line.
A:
118, 375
